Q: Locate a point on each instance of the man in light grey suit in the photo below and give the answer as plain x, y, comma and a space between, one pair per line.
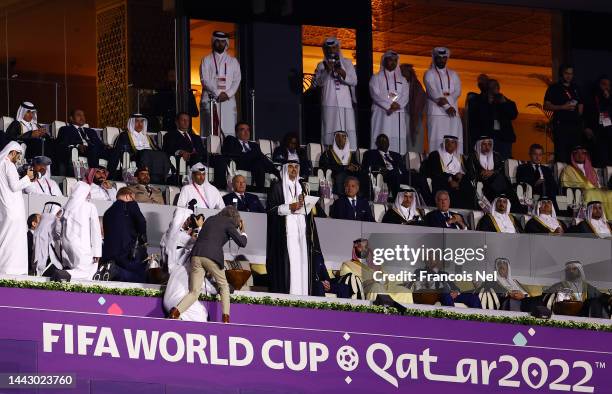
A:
207, 256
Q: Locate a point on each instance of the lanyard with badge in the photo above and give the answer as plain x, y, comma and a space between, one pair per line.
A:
604, 116
447, 92
43, 190
393, 95
221, 80
201, 196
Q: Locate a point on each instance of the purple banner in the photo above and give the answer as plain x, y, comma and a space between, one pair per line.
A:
115, 344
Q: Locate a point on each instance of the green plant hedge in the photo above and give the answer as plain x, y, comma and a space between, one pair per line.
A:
238, 299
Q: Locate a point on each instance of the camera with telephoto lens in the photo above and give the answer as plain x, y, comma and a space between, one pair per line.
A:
193, 219
23, 170
334, 60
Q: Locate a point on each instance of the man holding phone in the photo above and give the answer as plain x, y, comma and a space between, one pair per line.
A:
207, 256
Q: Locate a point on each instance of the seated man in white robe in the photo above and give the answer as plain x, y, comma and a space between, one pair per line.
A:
200, 193
500, 220
101, 187
80, 233
43, 184
176, 246
595, 222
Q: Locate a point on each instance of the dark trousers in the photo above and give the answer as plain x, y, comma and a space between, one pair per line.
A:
339, 289
471, 300
504, 148
124, 271
566, 135
412, 178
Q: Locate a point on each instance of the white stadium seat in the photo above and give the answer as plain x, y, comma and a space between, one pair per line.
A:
214, 144
55, 126
6, 121
266, 147
110, 134
314, 153
379, 211
476, 216
413, 161
607, 175
360, 153
68, 185
172, 193
510, 166
558, 169
160, 137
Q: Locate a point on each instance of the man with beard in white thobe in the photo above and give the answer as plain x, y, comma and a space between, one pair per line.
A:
595, 222
13, 229
176, 246
200, 190
389, 91
80, 234
43, 184
443, 88
290, 234
220, 76
336, 76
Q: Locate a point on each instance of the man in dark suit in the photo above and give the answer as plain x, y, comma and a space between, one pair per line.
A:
443, 217
244, 202
536, 174
207, 256
125, 239
350, 206
493, 113
393, 168
33, 221
183, 142
290, 149
85, 139
247, 155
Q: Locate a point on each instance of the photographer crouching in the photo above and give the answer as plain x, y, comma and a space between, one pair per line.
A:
207, 256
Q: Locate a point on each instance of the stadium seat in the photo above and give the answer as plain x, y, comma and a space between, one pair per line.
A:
600, 176
607, 175
110, 134
413, 161
231, 167
360, 153
314, 153
55, 126
68, 185
266, 147
379, 211
558, 169
214, 144
172, 193
475, 218
510, 166
160, 138
6, 121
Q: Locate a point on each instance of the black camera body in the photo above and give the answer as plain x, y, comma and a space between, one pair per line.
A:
334, 59
192, 220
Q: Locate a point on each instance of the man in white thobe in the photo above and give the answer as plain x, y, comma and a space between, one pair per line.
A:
443, 88
200, 190
46, 241
389, 91
335, 76
176, 246
43, 184
101, 187
13, 228
220, 76
80, 234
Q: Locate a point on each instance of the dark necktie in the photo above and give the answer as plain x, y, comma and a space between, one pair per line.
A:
82, 134
245, 146
538, 173
354, 204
